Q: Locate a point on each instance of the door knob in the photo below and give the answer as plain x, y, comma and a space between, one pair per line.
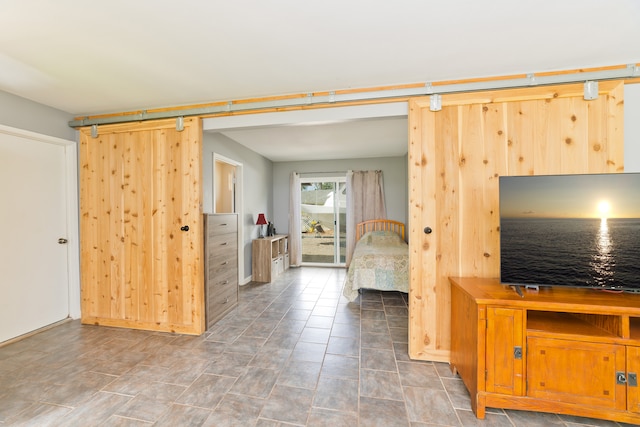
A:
427, 230
184, 228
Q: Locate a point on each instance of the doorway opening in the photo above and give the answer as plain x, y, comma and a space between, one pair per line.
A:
224, 187
227, 198
323, 211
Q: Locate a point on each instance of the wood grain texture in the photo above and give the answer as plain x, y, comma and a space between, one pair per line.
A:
139, 183
221, 265
456, 157
505, 373
379, 225
268, 257
633, 393
582, 373
469, 320
576, 344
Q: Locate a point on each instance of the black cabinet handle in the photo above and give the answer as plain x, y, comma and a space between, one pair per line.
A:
184, 228
427, 230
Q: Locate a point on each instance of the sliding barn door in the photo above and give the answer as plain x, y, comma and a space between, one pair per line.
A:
455, 158
141, 226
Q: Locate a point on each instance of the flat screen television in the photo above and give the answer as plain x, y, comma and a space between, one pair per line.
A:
571, 230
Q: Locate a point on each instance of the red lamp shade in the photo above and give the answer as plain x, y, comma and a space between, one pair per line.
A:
261, 220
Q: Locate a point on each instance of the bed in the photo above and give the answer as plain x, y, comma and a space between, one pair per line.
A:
380, 259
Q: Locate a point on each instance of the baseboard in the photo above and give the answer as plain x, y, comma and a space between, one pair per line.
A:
37, 331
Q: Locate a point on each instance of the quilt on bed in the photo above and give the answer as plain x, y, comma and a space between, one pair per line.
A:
380, 261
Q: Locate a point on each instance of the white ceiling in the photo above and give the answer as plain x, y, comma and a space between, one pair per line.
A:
120, 55
330, 133
343, 140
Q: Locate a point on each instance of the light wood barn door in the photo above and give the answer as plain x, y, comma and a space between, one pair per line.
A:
140, 187
455, 158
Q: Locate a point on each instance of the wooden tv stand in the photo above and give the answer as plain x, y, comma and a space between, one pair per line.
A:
563, 350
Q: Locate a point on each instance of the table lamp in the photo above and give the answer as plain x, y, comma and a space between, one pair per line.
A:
261, 221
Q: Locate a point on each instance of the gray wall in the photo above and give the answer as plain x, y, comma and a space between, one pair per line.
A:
394, 171
257, 177
28, 115
632, 128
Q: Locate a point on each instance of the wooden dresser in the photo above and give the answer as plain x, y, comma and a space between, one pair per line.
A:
269, 257
221, 265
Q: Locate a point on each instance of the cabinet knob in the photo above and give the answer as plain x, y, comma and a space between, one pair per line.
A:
427, 230
184, 228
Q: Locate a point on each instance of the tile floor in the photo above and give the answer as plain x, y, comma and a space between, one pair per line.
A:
294, 353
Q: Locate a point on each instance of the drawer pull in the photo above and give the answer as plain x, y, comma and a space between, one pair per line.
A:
517, 352
225, 263
224, 244
226, 300
223, 225
226, 282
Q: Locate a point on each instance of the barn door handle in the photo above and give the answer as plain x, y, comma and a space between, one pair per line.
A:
184, 228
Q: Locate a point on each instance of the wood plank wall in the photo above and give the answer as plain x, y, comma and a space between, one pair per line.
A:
455, 158
139, 184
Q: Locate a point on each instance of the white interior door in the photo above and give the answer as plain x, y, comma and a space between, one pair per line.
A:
34, 284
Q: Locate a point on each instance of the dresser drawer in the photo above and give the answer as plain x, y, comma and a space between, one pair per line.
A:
222, 246
216, 266
222, 278
221, 302
221, 265
221, 224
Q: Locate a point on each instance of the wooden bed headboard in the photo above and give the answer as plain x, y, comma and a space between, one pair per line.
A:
379, 225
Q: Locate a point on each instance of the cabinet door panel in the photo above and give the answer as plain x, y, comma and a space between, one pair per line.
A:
576, 372
633, 390
505, 331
